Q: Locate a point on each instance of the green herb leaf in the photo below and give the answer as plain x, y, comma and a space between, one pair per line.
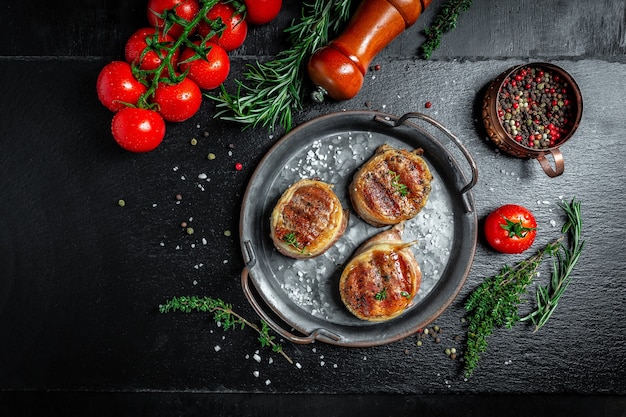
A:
381, 295
445, 21
400, 188
291, 239
222, 313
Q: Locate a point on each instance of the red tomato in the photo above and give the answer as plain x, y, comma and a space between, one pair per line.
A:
208, 72
510, 229
236, 27
260, 12
178, 102
138, 42
138, 130
116, 85
185, 9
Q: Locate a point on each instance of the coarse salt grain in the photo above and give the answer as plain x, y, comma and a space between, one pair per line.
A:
256, 357
217, 348
256, 374
298, 365
267, 382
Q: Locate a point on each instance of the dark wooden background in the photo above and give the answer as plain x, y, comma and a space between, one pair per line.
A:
81, 279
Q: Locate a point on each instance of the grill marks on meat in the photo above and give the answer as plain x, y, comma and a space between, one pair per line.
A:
382, 278
307, 220
391, 187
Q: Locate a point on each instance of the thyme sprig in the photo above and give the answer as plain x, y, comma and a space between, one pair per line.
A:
495, 302
273, 90
445, 21
224, 314
563, 263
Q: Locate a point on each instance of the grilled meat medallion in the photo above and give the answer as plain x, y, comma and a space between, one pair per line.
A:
382, 278
392, 186
307, 220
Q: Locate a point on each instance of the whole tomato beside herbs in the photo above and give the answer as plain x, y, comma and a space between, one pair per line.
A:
261, 12
178, 102
117, 87
138, 130
235, 32
185, 9
510, 229
209, 70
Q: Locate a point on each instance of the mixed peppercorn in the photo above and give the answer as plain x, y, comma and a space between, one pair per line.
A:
536, 107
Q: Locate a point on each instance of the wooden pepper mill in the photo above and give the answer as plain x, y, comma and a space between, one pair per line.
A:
338, 69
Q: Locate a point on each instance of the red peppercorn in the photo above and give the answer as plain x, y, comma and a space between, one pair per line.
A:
428, 104
238, 166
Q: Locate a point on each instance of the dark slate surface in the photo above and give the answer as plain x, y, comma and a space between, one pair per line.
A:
82, 278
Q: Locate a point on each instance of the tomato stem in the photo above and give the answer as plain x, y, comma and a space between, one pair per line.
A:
152, 78
516, 229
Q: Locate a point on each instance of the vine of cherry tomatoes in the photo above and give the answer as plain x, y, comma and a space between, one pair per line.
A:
182, 52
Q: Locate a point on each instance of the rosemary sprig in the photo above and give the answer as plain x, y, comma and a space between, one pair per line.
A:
495, 302
224, 314
274, 89
563, 263
445, 21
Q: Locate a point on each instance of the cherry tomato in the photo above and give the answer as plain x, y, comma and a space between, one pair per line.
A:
511, 229
209, 71
236, 27
178, 102
138, 130
116, 86
260, 12
185, 9
139, 40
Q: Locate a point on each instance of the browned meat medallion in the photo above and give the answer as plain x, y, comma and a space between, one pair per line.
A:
392, 186
307, 220
382, 278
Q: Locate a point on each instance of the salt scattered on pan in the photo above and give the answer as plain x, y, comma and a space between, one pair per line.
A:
256, 374
256, 357
217, 348
312, 285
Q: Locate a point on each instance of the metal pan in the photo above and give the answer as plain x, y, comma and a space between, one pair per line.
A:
300, 299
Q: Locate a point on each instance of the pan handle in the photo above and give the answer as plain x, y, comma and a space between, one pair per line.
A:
320, 334
403, 119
